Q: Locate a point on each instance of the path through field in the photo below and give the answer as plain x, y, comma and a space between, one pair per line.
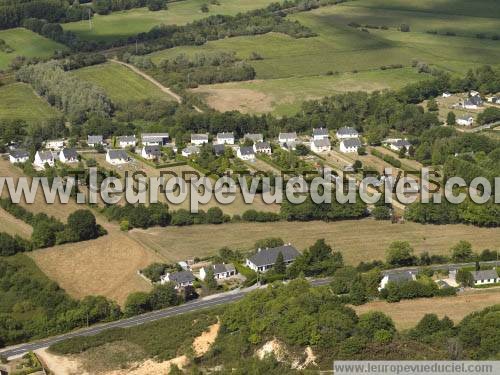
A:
165, 89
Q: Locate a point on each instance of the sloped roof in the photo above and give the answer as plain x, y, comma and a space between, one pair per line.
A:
17, 154
266, 257
247, 150
92, 139
325, 142
117, 154
181, 277
320, 131
353, 142
70, 153
262, 145
484, 275
152, 150
126, 138
347, 131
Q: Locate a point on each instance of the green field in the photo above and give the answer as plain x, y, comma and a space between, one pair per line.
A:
120, 83
344, 49
26, 43
127, 23
19, 101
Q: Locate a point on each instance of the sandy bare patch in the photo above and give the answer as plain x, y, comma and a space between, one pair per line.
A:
60, 365
14, 226
274, 347
233, 99
151, 367
202, 343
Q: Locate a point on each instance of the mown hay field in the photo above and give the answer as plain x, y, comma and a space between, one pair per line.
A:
358, 240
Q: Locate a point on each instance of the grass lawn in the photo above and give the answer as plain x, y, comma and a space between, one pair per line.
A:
14, 226
407, 313
359, 240
19, 101
121, 83
26, 43
118, 25
296, 69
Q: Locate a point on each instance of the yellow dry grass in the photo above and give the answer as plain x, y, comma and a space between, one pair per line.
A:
106, 266
407, 313
359, 240
13, 226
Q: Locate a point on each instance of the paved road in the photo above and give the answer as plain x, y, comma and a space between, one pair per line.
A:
211, 301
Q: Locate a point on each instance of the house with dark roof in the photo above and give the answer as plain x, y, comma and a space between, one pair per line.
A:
68, 155
225, 138
125, 141
246, 153
181, 279
42, 158
190, 150
116, 157
350, 145
320, 133
287, 138
264, 259
154, 139
466, 120
485, 277
347, 133
221, 271
94, 140
397, 277
151, 152
473, 102
218, 149
199, 139
321, 145
254, 137
19, 156
262, 147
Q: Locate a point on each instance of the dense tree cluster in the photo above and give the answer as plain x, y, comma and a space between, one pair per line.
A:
13, 12
309, 210
34, 306
76, 98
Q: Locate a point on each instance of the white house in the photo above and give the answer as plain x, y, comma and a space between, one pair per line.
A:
473, 93
125, 141
474, 102
181, 279
350, 145
42, 158
221, 271
68, 155
398, 144
320, 133
287, 138
321, 145
199, 139
493, 99
254, 137
246, 153
347, 133
18, 156
190, 150
151, 152
397, 277
54, 144
154, 139
264, 259
485, 277
446, 94
466, 120
262, 147
117, 157
225, 138
94, 140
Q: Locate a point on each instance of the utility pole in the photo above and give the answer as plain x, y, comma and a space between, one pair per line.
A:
90, 20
